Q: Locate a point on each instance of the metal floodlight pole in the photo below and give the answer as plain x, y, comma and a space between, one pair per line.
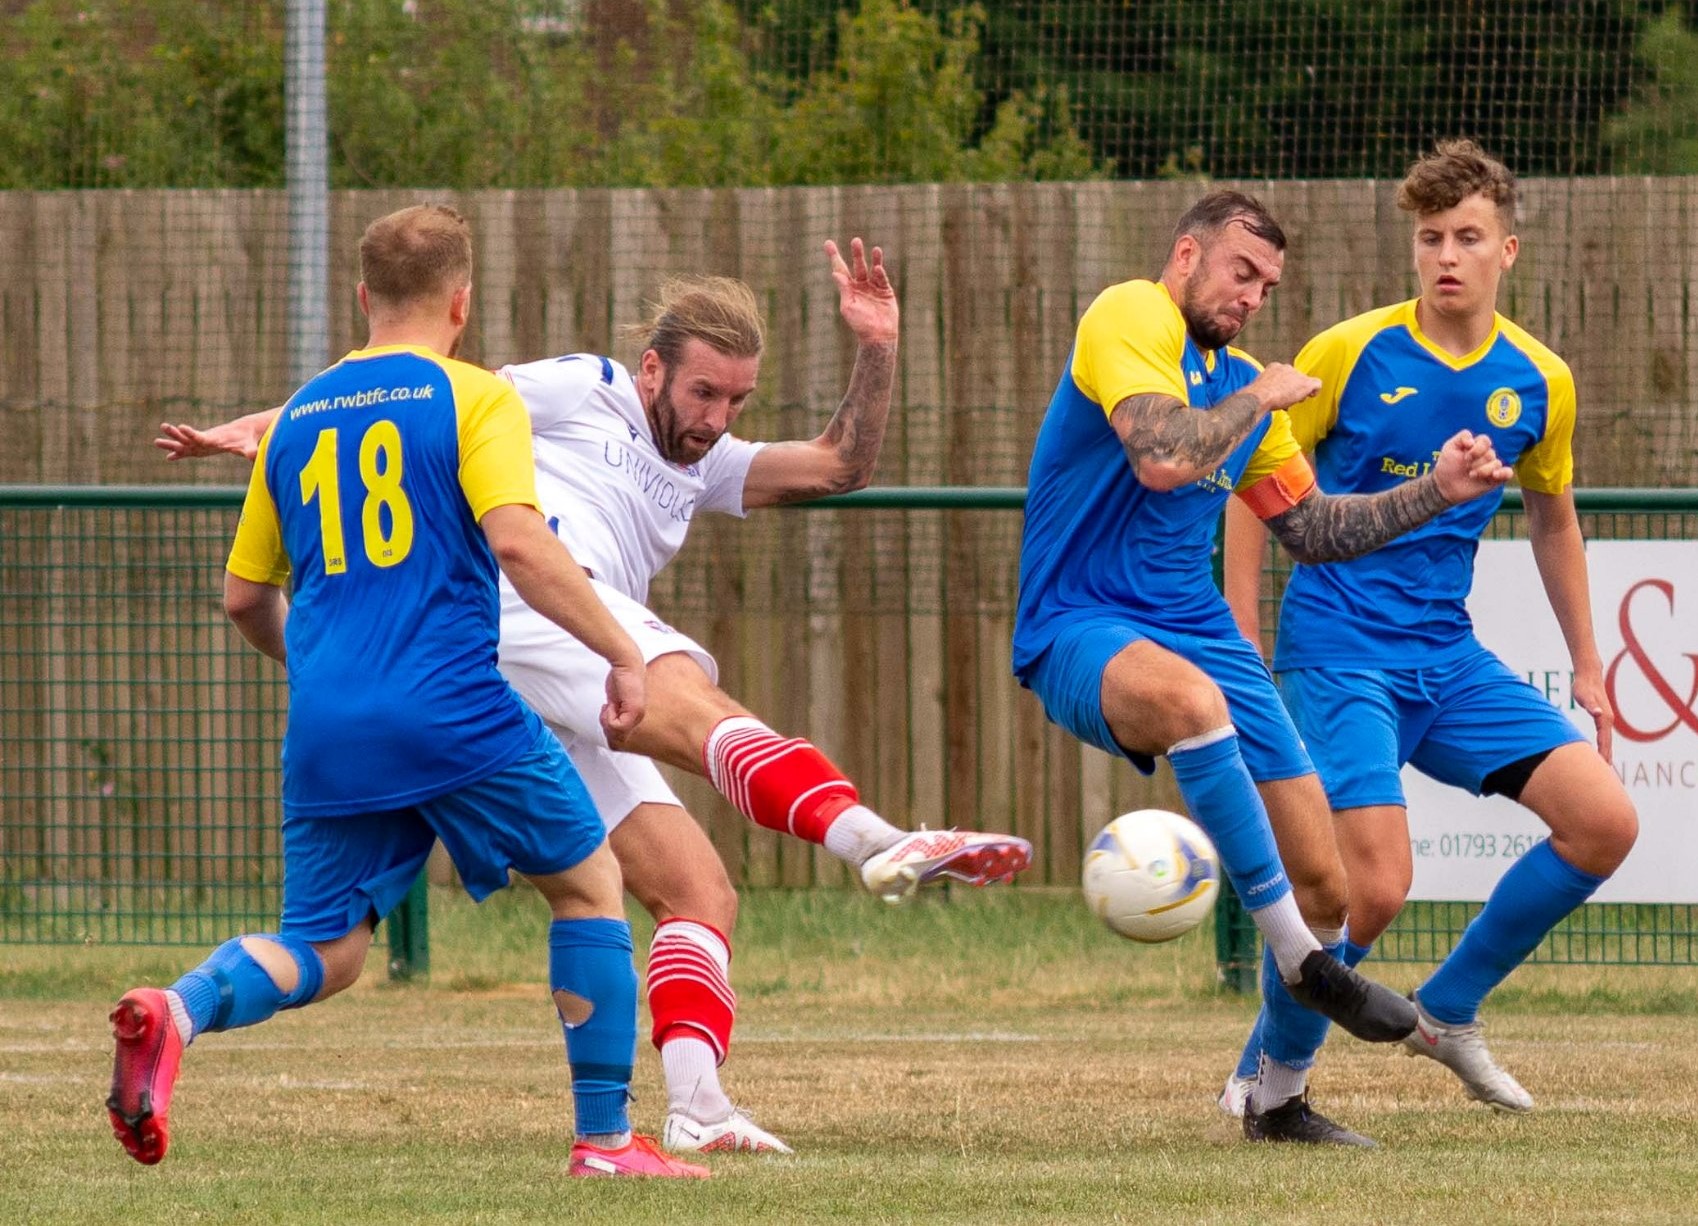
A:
308, 160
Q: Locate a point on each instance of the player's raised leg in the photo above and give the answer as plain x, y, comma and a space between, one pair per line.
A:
674, 872
786, 784
242, 983
1593, 827
1152, 700
334, 871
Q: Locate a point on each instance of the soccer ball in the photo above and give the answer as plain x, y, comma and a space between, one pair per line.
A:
1151, 875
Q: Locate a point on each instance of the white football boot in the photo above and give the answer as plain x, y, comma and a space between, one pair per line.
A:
927, 855
1462, 1050
735, 1134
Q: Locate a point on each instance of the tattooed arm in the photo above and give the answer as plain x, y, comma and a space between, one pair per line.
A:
1169, 444
1335, 528
842, 457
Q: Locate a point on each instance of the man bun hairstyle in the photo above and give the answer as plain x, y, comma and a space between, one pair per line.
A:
416, 254
1452, 172
1214, 212
721, 312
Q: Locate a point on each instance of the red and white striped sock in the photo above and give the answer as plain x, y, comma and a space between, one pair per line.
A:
781, 783
694, 1009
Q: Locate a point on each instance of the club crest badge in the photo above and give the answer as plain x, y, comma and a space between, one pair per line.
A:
1503, 408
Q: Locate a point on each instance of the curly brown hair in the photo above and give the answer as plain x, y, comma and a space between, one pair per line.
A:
1452, 172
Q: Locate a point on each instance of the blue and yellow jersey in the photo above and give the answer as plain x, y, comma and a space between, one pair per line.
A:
368, 489
1097, 539
1389, 399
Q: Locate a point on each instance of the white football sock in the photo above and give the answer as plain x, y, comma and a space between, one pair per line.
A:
857, 834
692, 1079
1282, 927
180, 1017
1276, 1083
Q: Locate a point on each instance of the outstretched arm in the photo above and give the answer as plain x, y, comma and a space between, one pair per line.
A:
842, 457
1335, 528
238, 437
1170, 444
1560, 552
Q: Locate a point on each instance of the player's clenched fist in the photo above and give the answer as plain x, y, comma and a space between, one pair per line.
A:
1280, 386
1468, 466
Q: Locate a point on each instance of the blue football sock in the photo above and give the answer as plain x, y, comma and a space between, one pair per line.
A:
231, 990
591, 959
1250, 1059
1291, 1033
1349, 953
1532, 898
1223, 800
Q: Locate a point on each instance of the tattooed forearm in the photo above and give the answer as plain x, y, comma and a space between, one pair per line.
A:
1334, 528
856, 431
1169, 444
843, 457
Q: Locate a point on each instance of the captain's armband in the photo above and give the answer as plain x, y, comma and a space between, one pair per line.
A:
1280, 490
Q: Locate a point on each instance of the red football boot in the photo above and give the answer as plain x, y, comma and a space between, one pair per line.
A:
639, 1156
144, 1069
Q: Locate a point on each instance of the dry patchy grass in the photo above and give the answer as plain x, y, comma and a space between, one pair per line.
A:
997, 1059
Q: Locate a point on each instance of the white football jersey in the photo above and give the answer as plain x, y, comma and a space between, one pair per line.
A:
620, 508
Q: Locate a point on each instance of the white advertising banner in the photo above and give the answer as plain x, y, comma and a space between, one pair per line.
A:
1645, 612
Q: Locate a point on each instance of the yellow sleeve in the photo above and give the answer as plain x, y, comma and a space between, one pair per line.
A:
496, 468
1547, 467
257, 552
1130, 342
1326, 357
1271, 454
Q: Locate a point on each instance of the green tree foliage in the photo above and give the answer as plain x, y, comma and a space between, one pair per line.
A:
1325, 88
900, 103
123, 94
1656, 132
479, 93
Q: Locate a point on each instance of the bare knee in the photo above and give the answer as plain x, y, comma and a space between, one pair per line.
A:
1322, 893
698, 890
1196, 709
343, 964
1375, 901
1599, 845
590, 889
671, 867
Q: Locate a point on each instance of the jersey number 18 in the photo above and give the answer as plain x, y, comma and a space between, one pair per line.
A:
380, 470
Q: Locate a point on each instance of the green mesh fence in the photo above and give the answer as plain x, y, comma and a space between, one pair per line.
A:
138, 737
138, 777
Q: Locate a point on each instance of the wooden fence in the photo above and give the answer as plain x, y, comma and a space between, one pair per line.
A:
882, 634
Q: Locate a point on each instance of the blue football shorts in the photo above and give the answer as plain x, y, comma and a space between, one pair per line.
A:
534, 817
1068, 680
1455, 722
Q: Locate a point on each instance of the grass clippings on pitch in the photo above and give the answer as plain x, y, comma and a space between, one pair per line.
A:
986, 1059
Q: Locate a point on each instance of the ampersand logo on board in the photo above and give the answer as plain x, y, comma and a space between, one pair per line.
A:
1679, 711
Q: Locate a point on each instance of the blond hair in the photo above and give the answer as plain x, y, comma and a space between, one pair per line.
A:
416, 254
1452, 172
721, 312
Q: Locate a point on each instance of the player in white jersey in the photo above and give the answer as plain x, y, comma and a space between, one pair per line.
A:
625, 460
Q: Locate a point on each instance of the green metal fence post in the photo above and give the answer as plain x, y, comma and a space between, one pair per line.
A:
409, 933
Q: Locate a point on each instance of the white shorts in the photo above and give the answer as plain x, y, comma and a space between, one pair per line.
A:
566, 683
